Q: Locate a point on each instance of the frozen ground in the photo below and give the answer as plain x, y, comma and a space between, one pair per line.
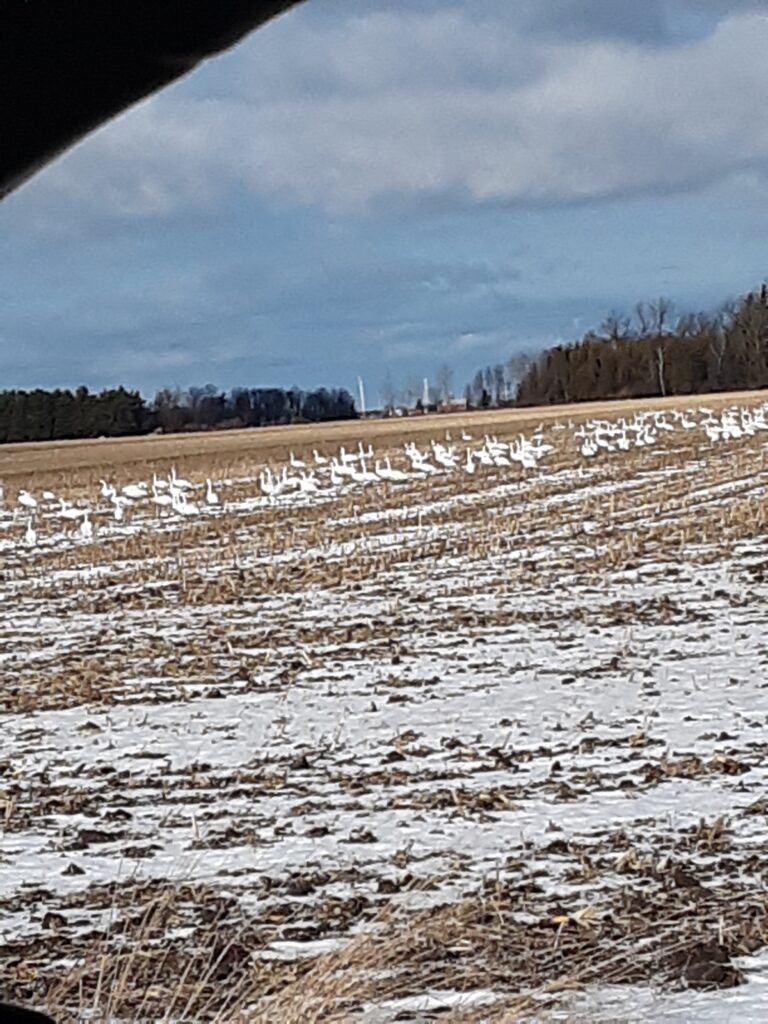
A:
545, 690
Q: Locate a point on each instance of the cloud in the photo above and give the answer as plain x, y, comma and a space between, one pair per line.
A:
425, 105
568, 19
595, 19
478, 340
721, 8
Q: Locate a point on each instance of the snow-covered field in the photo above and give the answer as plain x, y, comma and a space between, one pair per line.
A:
519, 710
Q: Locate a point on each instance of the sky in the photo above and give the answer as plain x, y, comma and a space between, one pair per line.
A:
381, 187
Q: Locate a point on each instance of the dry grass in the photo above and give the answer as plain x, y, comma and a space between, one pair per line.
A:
81, 463
228, 588
524, 947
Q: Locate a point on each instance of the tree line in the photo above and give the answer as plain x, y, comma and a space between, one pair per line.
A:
648, 353
41, 415
497, 385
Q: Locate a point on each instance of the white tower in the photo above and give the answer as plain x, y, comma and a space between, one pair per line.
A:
425, 394
361, 392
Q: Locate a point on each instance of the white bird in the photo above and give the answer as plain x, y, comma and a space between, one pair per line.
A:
589, 448
336, 478
494, 446
86, 527
296, 463
211, 496
602, 441
446, 457
179, 482
421, 465
541, 448
184, 507
119, 510
395, 476
30, 534
364, 475
308, 483
107, 490
137, 492
320, 460
346, 457
269, 484
162, 501
341, 469
26, 500
67, 511
288, 481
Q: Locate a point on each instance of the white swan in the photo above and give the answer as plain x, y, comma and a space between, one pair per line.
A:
67, 511
30, 534
118, 509
308, 483
26, 500
136, 492
386, 472
179, 482
162, 501
86, 527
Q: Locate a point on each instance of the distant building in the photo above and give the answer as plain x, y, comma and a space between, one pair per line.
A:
453, 405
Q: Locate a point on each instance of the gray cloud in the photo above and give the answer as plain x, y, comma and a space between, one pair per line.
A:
722, 8
429, 104
595, 19
569, 19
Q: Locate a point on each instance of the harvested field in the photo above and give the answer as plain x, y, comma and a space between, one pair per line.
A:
79, 463
472, 745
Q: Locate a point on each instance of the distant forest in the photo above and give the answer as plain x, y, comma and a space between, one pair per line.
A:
650, 353
57, 415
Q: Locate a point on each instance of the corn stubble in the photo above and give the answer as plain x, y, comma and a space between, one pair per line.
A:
576, 524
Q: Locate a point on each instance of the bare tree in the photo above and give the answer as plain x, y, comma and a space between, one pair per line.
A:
488, 382
752, 325
477, 388
616, 326
388, 394
444, 382
515, 369
659, 359
712, 330
687, 325
411, 391
169, 408
644, 319
658, 353
660, 311
499, 390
